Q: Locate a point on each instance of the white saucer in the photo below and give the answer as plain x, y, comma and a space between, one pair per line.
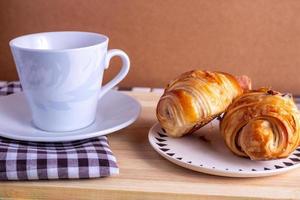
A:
115, 111
206, 152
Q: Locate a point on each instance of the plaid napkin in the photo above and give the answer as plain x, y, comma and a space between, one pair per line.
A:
20, 160
7, 88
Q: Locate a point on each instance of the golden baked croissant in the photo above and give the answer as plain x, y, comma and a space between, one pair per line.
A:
262, 125
194, 99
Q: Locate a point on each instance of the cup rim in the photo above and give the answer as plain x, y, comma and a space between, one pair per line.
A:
13, 45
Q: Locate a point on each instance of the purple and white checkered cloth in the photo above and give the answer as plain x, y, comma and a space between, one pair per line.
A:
20, 160
7, 88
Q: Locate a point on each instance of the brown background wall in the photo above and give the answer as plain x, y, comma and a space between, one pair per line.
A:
164, 38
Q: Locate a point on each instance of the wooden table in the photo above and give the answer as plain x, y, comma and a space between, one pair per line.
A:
146, 175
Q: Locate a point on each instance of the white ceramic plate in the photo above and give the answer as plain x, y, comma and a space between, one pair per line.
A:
205, 151
115, 111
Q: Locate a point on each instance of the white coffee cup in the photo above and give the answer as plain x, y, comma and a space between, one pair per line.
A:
61, 75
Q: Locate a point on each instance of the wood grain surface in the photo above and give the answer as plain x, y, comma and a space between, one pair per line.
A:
259, 38
146, 175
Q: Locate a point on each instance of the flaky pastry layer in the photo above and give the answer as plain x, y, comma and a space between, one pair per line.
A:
261, 125
194, 99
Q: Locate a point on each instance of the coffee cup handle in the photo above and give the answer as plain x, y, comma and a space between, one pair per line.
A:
121, 75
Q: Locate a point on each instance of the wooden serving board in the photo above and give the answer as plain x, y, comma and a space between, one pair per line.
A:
146, 175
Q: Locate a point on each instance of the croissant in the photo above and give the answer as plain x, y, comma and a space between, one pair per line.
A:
194, 99
262, 125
